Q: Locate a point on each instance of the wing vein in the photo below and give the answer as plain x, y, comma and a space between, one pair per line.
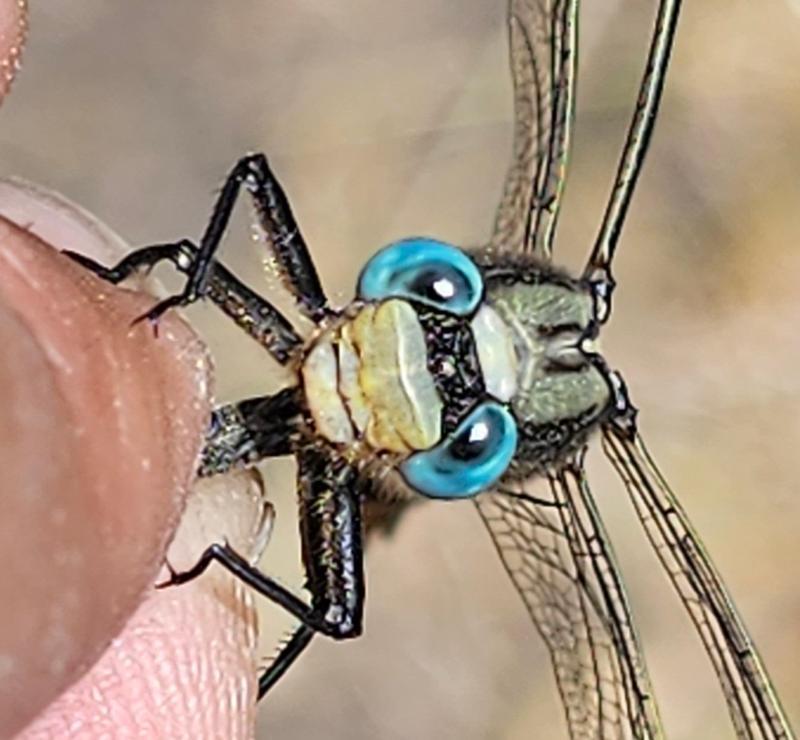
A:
557, 554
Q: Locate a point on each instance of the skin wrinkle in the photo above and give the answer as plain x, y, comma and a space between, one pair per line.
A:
165, 667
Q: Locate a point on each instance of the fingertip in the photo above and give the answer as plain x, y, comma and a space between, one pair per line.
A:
116, 420
139, 406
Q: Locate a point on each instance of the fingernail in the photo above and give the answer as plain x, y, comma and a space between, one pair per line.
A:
57, 220
228, 508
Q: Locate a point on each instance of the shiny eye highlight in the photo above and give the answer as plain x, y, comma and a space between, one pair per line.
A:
470, 459
423, 270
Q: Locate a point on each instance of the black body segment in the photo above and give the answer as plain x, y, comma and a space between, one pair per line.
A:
453, 363
543, 446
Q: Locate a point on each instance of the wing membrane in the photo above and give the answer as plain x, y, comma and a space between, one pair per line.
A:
752, 701
559, 558
542, 43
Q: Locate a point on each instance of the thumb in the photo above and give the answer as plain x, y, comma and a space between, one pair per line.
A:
100, 429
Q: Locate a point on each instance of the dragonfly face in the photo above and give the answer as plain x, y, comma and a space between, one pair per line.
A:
492, 375
474, 374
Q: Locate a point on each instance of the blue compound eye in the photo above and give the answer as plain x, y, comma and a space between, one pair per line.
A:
467, 461
423, 270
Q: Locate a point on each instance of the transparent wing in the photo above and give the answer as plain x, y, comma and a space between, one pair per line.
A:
558, 555
542, 43
752, 701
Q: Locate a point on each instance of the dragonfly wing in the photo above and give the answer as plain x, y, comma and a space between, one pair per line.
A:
559, 558
542, 43
752, 701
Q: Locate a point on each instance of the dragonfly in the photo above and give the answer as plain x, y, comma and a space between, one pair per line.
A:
472, 373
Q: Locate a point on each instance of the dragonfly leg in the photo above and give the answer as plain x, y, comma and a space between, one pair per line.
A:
331, 534
293, 259
285, 658
145, 258
257, 316
275, 214
250, 575
335, 624
245, 432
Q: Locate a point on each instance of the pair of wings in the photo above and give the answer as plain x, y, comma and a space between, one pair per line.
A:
554, 547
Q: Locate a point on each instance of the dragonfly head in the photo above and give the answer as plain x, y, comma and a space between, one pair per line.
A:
509, 350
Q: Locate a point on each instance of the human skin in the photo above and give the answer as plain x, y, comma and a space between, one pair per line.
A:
100, 427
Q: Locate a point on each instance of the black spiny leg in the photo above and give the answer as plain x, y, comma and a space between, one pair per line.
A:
331, 532
245, 432
294, 260
251, 576
295, 265
288, 654
291, 252
257, 316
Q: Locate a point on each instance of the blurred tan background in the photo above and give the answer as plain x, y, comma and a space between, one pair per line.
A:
388, 119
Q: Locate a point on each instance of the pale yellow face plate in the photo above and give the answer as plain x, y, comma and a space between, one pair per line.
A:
370, 378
